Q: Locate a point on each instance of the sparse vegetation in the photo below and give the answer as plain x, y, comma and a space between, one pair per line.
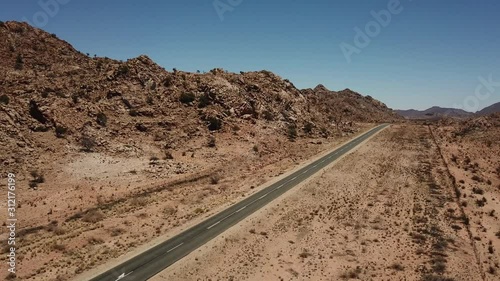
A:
211, 141
123, 69
93, 216
88, 143
102, 119
19, 62
61, 131
214, 179
352, 273
308, 128
292, 132
4, 99
37, 178
187, 98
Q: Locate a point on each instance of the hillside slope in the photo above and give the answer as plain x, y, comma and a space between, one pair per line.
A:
435, 112
494, 108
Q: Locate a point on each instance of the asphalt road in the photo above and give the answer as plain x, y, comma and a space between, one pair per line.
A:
156, 259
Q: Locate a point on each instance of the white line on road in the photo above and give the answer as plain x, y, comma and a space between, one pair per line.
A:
210, 227
264, 195
241, 209
123, 275
174, 248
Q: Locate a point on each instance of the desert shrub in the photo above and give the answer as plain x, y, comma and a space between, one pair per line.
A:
268, 115
37, 177
214, 179
167, 82
305, 254
141, 127
211, 141
204, 101
116, 231
58, 246
19, 62
477, 190
351, 274
308, 128
481, 202
93, 216
88, 143
169, 211
292, 132
397, 267
187, 97
214, 123
168, 155
95, 240
61, 131
102, 119
4, 99
476, 178
123, 69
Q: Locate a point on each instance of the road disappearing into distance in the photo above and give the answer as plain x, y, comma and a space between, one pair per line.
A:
156, 259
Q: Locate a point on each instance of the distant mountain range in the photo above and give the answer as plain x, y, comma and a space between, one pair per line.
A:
439, 112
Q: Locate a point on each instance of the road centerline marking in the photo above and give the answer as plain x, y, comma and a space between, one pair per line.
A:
173, 248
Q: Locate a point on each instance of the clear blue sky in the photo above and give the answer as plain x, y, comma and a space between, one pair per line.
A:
431, 53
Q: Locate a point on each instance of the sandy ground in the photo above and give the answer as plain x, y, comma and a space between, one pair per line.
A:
473, 160
387, 211
95, 208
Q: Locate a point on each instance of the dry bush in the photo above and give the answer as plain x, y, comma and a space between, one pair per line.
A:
95, 240
93, 216
215, 179
169, 211
351, 274
58, 246
116, 231
138, 201
397, 267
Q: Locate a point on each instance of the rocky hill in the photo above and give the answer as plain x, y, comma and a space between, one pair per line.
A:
435, 112
49, 88
494, 108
